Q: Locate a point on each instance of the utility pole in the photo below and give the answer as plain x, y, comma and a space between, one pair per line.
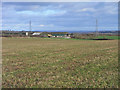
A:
96, 27
30, 25
29, 28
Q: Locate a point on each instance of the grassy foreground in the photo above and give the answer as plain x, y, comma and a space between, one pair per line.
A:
49, 63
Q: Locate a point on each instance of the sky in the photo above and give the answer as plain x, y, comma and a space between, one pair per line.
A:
59, 16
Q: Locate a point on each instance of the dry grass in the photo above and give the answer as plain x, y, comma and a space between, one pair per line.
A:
49, 63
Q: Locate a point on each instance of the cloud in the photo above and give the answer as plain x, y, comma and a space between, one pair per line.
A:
86, 10
43, 13
111, 9
61, 1
58, 16
42, 25
53, 12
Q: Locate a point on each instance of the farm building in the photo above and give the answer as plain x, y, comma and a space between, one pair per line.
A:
58, 35
36, 33
16, 33
49, 35
61, 35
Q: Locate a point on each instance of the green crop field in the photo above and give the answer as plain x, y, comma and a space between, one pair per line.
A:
110, 37
59, 63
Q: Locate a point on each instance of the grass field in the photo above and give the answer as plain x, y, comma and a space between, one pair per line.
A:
110, 37
50, 63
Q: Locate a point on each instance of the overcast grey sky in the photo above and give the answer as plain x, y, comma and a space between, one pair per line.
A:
51, 16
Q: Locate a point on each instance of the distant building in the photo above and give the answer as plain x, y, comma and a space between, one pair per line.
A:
36, 33
58, 35
49, 35
61, 35
26, 33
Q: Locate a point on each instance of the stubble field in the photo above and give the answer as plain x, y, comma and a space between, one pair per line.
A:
59, 63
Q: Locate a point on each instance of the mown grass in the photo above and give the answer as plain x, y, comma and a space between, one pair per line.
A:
57, 63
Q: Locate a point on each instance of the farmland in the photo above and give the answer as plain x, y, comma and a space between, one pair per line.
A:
49, 63
109, 37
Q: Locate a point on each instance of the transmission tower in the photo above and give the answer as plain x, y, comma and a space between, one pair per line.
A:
96, 27
30, 26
